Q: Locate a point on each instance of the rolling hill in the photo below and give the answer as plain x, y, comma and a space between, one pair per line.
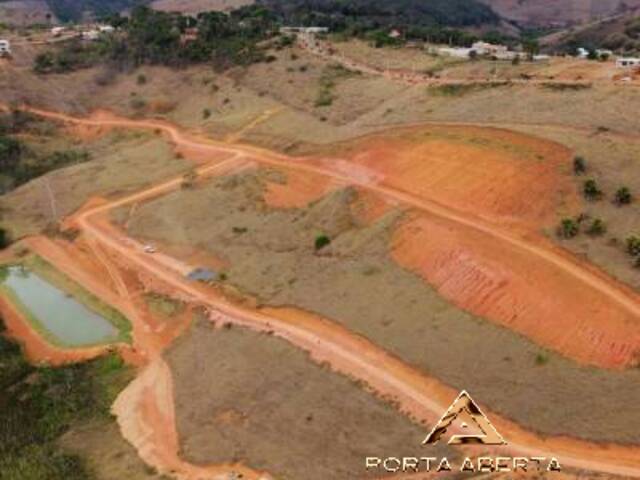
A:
559, 13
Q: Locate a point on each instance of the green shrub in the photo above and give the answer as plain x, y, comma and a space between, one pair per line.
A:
542, 359
579, 165
623, 196
633, 245
597, 228
591, 190
322, 241
568, 228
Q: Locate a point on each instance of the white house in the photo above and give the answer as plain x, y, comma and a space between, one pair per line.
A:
484, 48
455, 52
90, 35
57, 31
541, 58
604, 53
628, 62
105, 29
5, 48
291, 30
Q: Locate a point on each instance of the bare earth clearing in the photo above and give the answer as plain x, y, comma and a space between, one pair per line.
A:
438, 255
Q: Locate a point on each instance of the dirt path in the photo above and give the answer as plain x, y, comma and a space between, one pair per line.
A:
423, 397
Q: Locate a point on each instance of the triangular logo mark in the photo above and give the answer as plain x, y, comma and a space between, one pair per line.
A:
466, 408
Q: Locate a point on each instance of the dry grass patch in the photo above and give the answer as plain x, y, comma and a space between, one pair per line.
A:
254, 398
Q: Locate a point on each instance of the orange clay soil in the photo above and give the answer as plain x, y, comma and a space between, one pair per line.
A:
516, 290
422, 397
495, 174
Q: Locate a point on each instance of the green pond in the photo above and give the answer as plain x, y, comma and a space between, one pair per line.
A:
63, 317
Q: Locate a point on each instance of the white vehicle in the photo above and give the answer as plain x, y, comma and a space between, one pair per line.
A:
5, 48
149, 249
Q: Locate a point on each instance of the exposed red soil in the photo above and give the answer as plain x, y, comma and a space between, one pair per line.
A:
518, 291
299, 189
422, 397
495, 174
146, 414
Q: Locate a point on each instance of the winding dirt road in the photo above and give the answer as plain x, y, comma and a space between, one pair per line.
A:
423, 397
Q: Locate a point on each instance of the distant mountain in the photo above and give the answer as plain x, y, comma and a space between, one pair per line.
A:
559, 13
25, 12
620, 34
74, 10
193, 7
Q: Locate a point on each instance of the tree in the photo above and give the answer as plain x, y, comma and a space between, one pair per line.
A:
579, 165
591, 190
597, 228
4, 238
43, 62
568, 228
623, 196
531, 47
633, 245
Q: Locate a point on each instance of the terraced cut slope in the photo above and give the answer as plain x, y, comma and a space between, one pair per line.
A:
355, 281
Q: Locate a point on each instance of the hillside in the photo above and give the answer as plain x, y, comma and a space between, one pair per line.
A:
559, 12
193, 7
24, 12
620, 34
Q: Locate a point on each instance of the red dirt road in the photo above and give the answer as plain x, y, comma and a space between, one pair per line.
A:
423, 397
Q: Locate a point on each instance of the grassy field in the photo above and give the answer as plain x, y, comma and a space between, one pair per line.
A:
355, 282
46, 271
253, 398
121, 162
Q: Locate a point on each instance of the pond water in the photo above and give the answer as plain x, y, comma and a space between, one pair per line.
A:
61, 315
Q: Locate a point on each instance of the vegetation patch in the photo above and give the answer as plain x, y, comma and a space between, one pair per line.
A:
163, 305
461, 89
331, 75
565, 86
38, 405
18, 162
